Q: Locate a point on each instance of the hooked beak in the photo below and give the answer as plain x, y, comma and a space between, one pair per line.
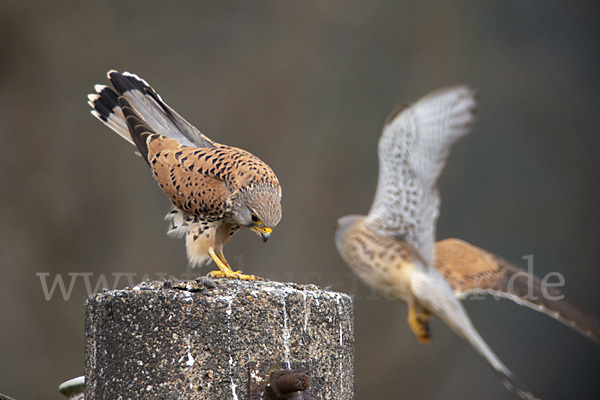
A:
265, 233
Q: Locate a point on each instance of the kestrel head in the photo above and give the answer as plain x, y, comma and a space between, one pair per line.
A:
258, 208
344, 225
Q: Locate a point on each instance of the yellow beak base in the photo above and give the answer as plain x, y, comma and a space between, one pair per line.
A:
265, 233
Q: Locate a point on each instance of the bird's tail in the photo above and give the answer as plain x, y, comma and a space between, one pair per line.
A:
434, 293
468, 332
147, 104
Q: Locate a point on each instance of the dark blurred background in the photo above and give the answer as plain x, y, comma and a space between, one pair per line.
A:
306, 86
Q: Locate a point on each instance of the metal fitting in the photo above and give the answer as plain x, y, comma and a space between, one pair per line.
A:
284, 384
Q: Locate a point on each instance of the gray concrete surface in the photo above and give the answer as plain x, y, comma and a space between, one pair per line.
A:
197, 339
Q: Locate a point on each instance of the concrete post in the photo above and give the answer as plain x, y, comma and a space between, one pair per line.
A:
219, 339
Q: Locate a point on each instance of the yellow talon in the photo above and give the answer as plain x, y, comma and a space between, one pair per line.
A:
225, 269
232, 275
419, 323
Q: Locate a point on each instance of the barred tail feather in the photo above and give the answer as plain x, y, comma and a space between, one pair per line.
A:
105, 107
149, 107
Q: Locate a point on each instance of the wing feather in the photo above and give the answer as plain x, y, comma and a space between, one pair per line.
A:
469, 269
413, 149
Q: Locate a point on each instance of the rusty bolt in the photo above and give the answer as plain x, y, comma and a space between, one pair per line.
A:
284, 384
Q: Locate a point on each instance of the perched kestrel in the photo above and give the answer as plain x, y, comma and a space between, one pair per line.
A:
392, 248
216, 189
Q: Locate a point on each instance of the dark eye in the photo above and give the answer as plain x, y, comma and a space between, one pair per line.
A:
254, 218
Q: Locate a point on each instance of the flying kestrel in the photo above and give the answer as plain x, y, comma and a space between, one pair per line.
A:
393, 248
216, 190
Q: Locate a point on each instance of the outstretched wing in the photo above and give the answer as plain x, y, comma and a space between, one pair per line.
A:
148, 105
469, 269
413, 149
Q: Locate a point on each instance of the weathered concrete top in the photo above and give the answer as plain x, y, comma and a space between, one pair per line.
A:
217, 339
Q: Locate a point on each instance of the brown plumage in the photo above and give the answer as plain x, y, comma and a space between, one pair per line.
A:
470, 270
216, 190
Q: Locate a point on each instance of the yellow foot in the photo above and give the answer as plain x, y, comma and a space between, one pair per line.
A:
419, 323
422, 329
232, 275
225, 269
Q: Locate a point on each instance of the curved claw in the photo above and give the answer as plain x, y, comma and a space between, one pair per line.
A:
225, 269
232, 275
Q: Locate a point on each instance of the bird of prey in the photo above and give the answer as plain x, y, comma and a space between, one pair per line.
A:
216, 190
393, 249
